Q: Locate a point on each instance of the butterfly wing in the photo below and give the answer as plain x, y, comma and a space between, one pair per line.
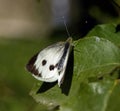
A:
49, 65
63, 61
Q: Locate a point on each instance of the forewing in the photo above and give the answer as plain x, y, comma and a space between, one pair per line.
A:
63, 62
43, 65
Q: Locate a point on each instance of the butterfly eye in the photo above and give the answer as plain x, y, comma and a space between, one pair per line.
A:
44, 62
51, 67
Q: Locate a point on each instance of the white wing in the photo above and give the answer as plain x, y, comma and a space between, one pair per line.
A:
49, 65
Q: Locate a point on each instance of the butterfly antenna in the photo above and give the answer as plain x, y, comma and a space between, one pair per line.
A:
66, 27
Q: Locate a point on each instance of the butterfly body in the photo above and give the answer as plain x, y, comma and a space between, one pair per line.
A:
49, 65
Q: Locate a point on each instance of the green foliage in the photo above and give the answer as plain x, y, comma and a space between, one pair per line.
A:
95, 84
15, 81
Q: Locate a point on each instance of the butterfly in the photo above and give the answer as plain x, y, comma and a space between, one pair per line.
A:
49, 64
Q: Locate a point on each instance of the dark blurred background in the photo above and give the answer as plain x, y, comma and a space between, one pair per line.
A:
44, 18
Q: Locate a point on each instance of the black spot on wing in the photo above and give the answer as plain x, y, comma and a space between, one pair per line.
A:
51, 67
31, 67
35, 71
31, 62
44, 62
40, 75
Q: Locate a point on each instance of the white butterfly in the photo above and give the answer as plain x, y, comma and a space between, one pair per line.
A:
49, 65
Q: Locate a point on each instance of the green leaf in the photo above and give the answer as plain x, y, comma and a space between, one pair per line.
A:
93, 57
108, 31
95, 96
114, 98
96, 56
